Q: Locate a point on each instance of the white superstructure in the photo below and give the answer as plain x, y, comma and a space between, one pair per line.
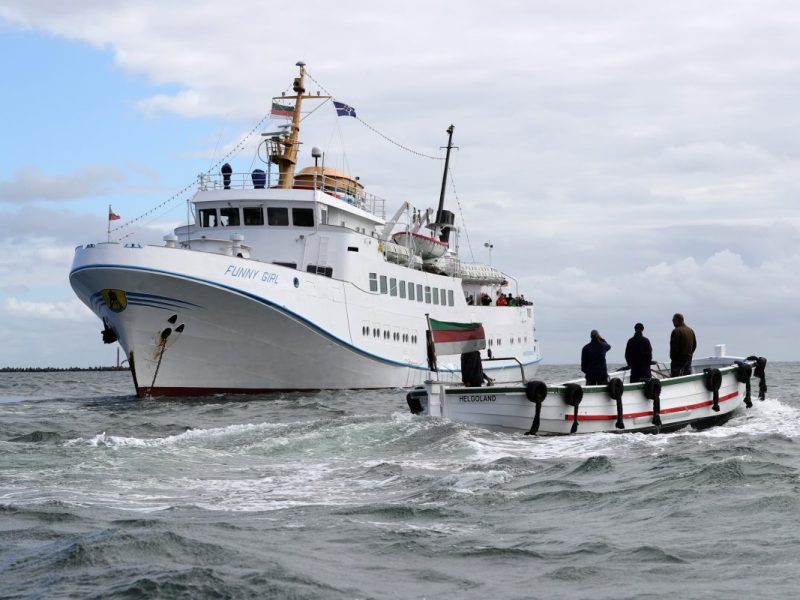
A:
294, 283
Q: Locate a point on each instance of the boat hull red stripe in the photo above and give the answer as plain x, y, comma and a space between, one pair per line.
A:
665, 411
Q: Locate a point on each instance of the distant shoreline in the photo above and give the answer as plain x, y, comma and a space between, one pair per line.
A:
58, 369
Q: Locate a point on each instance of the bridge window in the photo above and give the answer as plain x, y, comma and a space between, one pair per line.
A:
393, 287
229, 216
419, 292
435, 295
450, 298
384, 287
427, 294
402, 289
253, 215
410, 291
373, 282
444, 297
303, 217
277, 216
208, 217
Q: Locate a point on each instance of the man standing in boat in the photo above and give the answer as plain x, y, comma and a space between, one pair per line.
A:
639, 355
593, 359
472, 374
682, 344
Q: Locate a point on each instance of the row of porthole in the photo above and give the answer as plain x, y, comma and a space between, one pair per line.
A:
499, 342
389, 335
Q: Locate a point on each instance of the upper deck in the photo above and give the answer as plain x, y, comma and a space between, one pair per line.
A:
259, 185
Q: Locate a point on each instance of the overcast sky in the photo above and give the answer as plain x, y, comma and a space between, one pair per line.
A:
626, 159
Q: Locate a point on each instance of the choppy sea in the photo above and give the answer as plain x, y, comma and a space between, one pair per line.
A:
347, 495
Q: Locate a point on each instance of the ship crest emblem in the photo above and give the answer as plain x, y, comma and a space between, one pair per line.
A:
116, 300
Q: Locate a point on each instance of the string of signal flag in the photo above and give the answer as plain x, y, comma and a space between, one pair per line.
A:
342, 110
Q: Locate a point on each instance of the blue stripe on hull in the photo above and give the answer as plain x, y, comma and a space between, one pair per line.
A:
281, 309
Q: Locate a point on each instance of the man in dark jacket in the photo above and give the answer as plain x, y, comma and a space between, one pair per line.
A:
472, 374
639, 355
682, 344
593, 359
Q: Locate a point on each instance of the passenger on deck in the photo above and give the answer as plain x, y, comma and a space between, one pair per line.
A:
501, 300
510, 300
485, 299
682, 344
593, 359
470, 300
639, 355
472, 374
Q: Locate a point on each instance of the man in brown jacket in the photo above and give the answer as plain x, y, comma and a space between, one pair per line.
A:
682, 344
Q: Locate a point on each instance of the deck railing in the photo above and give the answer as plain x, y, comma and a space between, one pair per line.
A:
269, 180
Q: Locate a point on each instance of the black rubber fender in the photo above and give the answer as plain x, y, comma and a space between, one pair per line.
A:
536, 391
713, 380
743, 374
760, 372
615, 388
652, 391
573, 394
414, 405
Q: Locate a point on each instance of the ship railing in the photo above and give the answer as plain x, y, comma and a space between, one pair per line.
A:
269, 180
512, 358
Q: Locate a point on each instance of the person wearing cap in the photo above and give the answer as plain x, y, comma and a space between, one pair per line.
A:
682, 344
593, 359
639, 355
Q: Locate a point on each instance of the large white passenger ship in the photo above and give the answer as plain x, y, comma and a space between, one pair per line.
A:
296, 281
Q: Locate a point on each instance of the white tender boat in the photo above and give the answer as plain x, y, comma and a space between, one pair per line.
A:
293, 281
719, 386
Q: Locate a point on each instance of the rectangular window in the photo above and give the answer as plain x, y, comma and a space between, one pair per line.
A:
208, 217
402, 289
443, 296
427, 294
436, 295
373, 282
384, 287
410, 291
323, 215
450, 298
277, 216
253, 215
320, 270
393, 287
229, 216
419, 292
303, 217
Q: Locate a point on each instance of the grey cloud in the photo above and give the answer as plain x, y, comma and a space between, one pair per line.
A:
32, 184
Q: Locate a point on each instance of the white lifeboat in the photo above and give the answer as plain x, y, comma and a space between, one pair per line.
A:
423, 245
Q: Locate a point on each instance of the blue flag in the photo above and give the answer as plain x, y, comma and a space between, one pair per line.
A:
343, 110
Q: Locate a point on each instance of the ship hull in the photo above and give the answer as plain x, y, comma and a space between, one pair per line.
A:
228, 325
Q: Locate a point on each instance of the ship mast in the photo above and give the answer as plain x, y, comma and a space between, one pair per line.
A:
285, 149
444, 176
440, 221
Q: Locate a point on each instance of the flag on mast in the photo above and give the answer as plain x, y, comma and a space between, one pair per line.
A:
344, 110
282, 110
456, 338
112, 216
